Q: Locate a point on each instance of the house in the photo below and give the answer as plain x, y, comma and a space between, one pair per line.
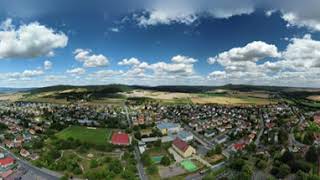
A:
7, 161
221, 139
182, 148
24, 153
121, 139
6, 173
168, 127
185, 136
239, 146
316, 118
9, 144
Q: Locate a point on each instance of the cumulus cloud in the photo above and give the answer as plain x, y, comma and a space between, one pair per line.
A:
24, 74
252, 52
178, 11
105, 73
131, 61
47, 65
76, 71
298, 65
29, 40
90, 60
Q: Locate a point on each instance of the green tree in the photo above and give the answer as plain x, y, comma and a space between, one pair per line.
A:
165, 161
146, 159
153, 169
312, 154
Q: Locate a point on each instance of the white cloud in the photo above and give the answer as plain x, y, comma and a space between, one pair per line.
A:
211, 60
179, 59
131, 61
76, 71
178, 11
47, 65
252, 52
24, 74
105, 73
298, 65
89, 60
29, 40
114, 29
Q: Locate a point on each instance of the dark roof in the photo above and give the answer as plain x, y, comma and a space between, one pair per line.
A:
180, 144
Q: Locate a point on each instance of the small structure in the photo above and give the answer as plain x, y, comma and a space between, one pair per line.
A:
121, 139
221, 139
182, 148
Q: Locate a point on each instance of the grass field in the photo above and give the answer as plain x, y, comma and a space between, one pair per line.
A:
189, 165
96, 136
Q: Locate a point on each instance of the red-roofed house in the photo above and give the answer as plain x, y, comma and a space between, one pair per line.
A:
182, 148
239, 146
120, 138
7, 161
7, 173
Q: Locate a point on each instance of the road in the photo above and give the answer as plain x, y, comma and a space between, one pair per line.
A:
257, 141
199, 138
140, 167
43, 173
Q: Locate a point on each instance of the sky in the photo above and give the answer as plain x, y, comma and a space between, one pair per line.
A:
159, 42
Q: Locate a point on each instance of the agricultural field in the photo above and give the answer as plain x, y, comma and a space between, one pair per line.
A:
158, 94
229, 100
314, 98
96, 136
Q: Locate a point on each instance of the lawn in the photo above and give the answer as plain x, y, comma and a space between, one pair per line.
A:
189, 165
96, 136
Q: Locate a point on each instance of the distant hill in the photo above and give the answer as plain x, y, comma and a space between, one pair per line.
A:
13, 90
114, 88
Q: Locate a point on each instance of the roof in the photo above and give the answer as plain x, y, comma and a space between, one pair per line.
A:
6, 161
120, 138
184, 134
239, 146
180, 144
167, 125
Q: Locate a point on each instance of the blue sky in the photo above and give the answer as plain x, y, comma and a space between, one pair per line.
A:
157, 42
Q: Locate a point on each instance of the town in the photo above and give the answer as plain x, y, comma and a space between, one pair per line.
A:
158, 141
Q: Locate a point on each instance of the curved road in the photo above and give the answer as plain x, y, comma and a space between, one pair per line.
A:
43, 173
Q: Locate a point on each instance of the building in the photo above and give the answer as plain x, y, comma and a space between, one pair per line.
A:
185, 136
24, 153
239, 146
316, 118
7, 161
182, 148
221, 139
121, 139
168, 127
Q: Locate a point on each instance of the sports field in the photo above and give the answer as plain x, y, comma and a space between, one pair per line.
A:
189, 165
86, 134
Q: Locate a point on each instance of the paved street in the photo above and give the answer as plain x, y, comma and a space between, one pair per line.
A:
37, 172
140, 167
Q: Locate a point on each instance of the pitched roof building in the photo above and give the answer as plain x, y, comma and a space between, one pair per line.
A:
182, 148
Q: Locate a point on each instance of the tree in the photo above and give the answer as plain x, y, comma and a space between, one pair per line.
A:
312, 154
251, 147
146, 159
261, 164
115, 166
93, 163
153, 169
165, 161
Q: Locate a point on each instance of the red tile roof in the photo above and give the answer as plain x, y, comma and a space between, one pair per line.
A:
6, 161
120, 138
239, 146
180, 144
